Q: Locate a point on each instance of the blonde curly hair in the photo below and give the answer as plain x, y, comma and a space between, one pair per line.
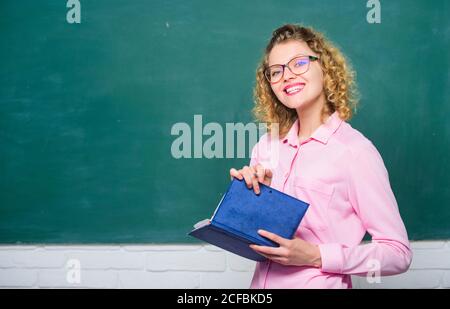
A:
338, 80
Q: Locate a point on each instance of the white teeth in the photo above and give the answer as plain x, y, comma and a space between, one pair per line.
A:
294, 89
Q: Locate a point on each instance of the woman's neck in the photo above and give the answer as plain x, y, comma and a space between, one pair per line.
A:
309, 119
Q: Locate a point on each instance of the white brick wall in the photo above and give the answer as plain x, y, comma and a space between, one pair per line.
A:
179, 266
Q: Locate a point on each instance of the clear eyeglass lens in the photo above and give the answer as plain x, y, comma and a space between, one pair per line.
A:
297, 65
275, 73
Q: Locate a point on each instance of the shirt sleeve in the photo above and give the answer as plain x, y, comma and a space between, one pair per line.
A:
371, 196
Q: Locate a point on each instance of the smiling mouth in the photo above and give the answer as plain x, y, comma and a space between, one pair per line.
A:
294, 90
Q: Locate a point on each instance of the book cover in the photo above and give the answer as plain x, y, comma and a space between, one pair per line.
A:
241, 213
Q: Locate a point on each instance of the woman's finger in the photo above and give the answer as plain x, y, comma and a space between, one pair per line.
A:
269, 251
260, 172
268, 174
274, 237
255, 181
249, 175
235, 173
245, 171
282, 260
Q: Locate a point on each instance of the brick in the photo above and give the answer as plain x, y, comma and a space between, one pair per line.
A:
237, 263
226, 280
421, 279
81, 248
18, 278
431, 259
212, 248
201, 260
158, 280
427, 245
145, 248
18, 247
88, 279
7, 259
108, 259
446, 279
38, 258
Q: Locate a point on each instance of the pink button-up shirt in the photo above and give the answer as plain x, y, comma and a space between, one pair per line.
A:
340, 173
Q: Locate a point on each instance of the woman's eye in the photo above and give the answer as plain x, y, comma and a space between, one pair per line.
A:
301, 62
274, 73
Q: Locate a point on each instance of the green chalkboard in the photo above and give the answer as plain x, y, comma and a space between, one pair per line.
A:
87, 109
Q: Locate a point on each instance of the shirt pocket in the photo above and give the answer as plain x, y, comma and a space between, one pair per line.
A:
318, 195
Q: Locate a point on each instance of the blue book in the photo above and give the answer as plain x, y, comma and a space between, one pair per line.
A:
241, 213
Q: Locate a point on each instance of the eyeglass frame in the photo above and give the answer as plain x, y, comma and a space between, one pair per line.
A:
310, 58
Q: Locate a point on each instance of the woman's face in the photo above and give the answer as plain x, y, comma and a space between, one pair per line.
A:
309, 83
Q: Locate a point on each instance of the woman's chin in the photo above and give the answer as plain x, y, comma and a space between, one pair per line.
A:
294, 105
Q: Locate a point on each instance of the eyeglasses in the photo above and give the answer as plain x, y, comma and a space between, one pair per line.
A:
297, 66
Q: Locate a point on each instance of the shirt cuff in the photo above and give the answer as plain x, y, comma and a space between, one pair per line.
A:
332, 258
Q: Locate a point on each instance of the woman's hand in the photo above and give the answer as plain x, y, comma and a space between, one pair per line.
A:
253, 175
291, 252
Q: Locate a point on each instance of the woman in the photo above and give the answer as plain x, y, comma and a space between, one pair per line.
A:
305, 87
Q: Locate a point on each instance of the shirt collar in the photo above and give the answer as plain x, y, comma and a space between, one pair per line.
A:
321, 134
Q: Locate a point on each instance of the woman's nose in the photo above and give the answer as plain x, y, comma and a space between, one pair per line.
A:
288, 74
